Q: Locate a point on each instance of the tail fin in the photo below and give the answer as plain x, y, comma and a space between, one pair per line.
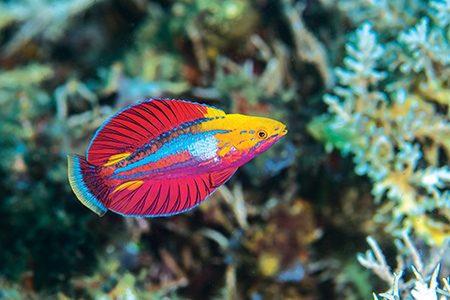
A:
87, 184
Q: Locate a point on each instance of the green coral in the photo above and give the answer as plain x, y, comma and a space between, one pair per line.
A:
219, 22
35, 204
49, 24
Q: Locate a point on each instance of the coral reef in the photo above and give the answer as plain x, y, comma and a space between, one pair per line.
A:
289, 224
390, 110
423, 283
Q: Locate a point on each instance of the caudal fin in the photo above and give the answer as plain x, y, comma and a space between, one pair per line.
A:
87, 184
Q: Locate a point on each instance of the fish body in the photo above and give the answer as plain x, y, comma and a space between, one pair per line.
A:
163, 157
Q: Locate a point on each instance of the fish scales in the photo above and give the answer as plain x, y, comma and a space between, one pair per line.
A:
162, 157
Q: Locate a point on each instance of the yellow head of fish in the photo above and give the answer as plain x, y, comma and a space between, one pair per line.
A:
244, 137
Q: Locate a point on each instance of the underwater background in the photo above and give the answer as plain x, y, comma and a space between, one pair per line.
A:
354, 200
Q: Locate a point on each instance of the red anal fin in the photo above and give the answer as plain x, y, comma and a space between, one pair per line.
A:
165, 197
140, 123
218, 178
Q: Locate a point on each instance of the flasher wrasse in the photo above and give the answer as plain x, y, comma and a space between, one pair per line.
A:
163, 157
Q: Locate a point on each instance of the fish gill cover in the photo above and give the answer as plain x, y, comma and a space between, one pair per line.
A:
363, 87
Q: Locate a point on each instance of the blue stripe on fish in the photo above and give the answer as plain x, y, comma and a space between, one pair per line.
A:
201, 145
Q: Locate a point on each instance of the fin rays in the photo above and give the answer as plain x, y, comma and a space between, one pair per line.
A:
160, 197
135, 125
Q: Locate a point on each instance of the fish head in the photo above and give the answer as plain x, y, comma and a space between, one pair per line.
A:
247, 137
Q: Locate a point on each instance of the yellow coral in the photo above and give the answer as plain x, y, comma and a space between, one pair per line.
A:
269, 264
435, 233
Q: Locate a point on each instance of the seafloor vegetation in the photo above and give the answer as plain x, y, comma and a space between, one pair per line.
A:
364, 87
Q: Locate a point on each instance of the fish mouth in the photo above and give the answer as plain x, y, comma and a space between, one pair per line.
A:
282, 132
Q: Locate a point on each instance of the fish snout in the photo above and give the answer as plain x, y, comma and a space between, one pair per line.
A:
284, 131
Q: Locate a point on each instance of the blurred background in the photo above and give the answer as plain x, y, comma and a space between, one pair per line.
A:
353, 201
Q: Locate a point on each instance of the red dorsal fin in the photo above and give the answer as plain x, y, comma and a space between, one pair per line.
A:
138, 124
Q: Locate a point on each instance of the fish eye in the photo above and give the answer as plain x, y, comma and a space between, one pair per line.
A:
262, 134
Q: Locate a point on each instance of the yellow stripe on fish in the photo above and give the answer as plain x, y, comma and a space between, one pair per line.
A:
129, 185
116, 158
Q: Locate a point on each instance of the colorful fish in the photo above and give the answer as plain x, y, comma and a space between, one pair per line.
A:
163, 157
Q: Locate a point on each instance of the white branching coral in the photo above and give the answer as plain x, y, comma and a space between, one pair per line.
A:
442, 13
423, 282
427, 47
390, 110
